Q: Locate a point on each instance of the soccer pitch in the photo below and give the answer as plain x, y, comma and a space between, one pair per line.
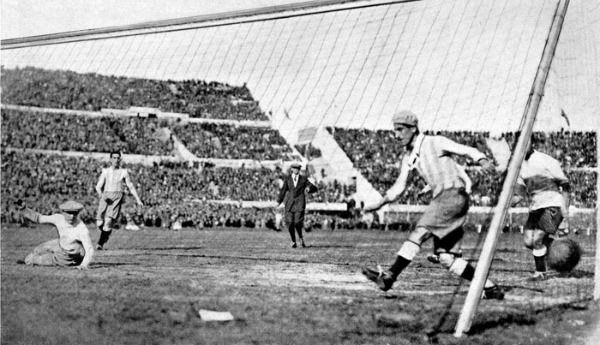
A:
148, 286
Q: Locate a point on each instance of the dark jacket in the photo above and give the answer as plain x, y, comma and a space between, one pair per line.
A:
295, 200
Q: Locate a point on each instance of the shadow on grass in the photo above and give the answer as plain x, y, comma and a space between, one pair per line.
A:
525, 317
253, 258
576, 274
111, 264
173, 248
330, 246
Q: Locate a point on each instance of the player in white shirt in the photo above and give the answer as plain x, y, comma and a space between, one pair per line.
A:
110, 191
541, 177
73, 246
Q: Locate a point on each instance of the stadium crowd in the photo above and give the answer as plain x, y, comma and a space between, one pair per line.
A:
90, 91
168, 189
64, 132
309, 150
376, 156
211, 140
573, 149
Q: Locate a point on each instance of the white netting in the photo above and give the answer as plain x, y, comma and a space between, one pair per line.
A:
459, 65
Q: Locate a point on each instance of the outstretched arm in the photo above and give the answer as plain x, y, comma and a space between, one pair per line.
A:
100, 184
450, 147
32, 215
395, 191
311, 184
132, 190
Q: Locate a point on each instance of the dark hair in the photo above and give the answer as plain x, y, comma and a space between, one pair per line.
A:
115, 153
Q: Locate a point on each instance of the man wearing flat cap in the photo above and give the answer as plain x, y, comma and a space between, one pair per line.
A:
73, 246
443, 219
293, 192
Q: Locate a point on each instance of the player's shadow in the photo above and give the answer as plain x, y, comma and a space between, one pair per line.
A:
510, 270
389, 295
576, 274
508, 250
330, 246
507, 288
112, 264
174, 248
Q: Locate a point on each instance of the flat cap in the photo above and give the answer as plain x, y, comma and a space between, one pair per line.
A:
405, 117
71, 206
296, 165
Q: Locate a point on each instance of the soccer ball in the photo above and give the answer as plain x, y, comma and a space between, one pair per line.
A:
564, 255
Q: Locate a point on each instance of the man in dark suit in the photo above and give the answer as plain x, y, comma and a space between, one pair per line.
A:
293, 192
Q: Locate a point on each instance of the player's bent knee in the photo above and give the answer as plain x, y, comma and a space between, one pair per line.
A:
99, 222
29, 259
109, 224
528, 240
419, 235
409, 250
40, 259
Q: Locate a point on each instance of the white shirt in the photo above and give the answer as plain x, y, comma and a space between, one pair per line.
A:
71, 237
541, 175
112, 179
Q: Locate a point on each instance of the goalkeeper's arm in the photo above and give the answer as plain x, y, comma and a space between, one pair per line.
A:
26, 212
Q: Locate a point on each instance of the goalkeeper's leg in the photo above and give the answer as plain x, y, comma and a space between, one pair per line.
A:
43, 254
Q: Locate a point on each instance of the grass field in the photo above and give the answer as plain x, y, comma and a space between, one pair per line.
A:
148, 286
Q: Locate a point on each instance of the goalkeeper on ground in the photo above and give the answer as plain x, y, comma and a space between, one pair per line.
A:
73, 246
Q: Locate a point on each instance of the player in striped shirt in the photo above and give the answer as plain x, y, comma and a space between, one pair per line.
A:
541, 177
446, 214
110, 192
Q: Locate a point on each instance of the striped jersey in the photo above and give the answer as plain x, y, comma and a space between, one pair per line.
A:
542, 176
112, 179
432, 157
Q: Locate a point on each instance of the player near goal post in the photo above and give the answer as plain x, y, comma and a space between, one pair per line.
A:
111, 196
446, 214
541, 177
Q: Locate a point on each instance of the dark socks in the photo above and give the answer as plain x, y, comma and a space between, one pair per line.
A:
399, 265
468, 273
299, 231
104, 235
540, 263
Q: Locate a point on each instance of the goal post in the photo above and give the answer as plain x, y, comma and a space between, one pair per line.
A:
597, 261
489, 246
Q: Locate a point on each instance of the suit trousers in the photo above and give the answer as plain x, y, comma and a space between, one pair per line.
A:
295, 222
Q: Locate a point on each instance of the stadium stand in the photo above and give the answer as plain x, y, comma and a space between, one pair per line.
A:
91, 91
170, 190
232, 142
64, 132
375, 155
